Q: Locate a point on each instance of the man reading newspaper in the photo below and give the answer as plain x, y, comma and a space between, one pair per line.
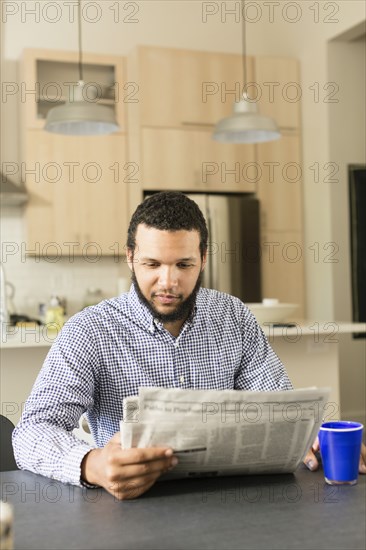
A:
166, 332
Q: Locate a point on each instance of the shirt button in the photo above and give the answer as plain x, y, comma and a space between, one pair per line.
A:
181, 379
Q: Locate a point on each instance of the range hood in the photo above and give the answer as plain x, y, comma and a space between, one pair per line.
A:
11, 194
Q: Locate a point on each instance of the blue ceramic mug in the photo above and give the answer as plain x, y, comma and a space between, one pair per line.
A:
340, 448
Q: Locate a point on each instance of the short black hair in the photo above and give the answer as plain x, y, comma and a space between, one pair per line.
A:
168, 211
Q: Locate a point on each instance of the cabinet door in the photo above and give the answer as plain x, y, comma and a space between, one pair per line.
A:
279, 90
191, 160
48, 77
80, 197
283, 268
168, 159
225, 167
187, 88
159, 86
51, 213
279, 185
210, 84
104, 193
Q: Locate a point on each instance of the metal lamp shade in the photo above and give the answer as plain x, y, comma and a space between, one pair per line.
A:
80, 118
246, 125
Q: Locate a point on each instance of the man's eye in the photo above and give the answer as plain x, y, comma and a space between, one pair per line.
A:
184, 265
151, 264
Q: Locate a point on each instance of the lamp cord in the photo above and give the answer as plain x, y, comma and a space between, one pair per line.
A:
244, 45
80, 51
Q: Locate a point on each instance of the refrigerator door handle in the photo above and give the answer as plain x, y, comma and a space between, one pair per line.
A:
219, 210
209, 267
215, 261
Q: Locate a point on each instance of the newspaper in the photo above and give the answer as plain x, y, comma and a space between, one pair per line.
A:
226, 432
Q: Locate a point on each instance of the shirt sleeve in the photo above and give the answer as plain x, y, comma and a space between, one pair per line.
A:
43, 440
260, 369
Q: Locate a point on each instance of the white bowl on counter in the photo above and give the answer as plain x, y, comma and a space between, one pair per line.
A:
272, 311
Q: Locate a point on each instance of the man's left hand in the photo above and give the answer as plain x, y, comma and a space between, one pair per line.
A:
312, 462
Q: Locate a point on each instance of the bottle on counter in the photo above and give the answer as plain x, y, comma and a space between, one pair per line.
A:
42, 312
55, 313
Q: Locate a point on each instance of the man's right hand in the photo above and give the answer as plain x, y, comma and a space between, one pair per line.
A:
126, 473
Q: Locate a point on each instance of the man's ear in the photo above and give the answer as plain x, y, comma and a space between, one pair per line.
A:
129, 255
204, 260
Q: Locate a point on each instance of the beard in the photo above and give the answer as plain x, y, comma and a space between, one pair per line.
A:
183, 309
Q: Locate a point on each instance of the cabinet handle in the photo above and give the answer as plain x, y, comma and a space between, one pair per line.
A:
198, 180
288, 130
264, 218
204, 124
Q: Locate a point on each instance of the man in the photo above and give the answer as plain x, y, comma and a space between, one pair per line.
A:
167, 331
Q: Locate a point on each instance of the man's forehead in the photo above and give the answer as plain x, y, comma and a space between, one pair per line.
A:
144, 231
148, 238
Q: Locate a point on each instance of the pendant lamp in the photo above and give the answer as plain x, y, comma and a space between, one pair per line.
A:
80, 116
245, 125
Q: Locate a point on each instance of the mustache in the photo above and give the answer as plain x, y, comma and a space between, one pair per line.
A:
165, 293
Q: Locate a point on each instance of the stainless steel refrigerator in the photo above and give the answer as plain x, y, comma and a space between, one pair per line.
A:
233, 264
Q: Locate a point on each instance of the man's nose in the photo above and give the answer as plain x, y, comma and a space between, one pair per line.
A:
167, 276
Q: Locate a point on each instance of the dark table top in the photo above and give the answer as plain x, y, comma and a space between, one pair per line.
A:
250, 512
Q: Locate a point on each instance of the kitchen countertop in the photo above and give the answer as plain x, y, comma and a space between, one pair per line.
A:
42, 337
308, 327
37, 337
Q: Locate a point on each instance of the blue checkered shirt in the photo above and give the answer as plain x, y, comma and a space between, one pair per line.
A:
107, 351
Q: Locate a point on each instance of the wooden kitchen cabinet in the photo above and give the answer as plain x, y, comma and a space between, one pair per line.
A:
282, 262
78, 185
277, 83
225, 167
79, 202
185, 88
182, 95
50, 75
280, 184
168, 159
191, 160
280, 194
280, 187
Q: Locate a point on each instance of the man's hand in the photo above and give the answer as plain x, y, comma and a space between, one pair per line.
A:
312, 462
126, 473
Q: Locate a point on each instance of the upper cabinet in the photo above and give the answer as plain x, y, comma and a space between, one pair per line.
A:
192, 161
183, 88
278, 90
182, 94
78, 196
50, 77
280, 184
77, 185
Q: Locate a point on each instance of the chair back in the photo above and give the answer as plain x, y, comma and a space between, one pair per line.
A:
7, 460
